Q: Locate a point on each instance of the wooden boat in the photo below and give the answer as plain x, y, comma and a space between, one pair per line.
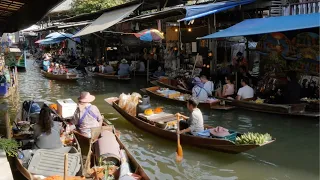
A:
60, 77
152, 91
201, 142
169, 83
110, 76
285, 109
86, 142
20, 58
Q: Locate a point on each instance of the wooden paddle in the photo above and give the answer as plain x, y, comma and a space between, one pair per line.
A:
65, 174
179, 153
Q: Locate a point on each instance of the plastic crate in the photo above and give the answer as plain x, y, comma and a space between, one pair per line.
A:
231, 137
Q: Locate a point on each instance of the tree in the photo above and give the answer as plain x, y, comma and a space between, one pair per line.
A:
89, 6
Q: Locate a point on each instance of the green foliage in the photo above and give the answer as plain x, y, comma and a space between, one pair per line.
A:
89, 6
9, 146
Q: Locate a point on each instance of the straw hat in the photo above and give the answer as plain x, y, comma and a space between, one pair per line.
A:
86, 97
219, 131
197, 81
124, 61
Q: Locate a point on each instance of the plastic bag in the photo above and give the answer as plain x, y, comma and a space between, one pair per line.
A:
135, 98
131, 108
123, 100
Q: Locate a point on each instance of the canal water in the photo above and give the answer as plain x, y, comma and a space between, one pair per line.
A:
294, 155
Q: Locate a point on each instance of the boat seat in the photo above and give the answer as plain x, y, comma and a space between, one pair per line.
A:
51, 162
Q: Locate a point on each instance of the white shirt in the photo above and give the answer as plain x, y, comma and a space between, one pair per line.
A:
142, 67
246, 92
196, 121
209, 87
199, 93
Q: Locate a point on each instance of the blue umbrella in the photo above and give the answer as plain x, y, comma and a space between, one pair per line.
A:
59, 35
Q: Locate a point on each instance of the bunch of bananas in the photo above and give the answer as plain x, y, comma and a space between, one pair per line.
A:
253, 138
259, 101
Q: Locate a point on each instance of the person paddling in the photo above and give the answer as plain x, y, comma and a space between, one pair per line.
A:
195, 123
87, 115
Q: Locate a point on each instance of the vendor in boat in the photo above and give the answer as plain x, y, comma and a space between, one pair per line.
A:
194, 124
198, 90
124, 68
228, 88
46, 131
246, 92
292, 91
108, 68
87, 116
158, 73
207, 85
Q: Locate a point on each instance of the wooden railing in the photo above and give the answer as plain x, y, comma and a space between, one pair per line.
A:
303, 7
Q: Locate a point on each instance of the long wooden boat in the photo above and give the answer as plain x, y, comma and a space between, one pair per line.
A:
196, 141
110, 76
152, 91
20, 58
284, 109
60, 77
87, 142
169, 83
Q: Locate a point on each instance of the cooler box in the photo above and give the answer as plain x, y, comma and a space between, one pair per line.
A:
3, 89
66, 107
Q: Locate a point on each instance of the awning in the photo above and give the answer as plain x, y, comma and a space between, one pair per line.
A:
268, 25
107, 20
197, 11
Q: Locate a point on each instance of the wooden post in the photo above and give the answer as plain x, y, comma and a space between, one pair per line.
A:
4, 110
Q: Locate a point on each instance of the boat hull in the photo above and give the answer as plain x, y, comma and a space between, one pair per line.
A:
207, 143
62, 77
284, 109
171, 84
151, 91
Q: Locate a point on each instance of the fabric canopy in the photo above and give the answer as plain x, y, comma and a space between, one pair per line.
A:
268, 25
197, 11
107, 20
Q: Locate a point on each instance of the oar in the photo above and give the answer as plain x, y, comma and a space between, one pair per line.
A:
65, 166
179, 153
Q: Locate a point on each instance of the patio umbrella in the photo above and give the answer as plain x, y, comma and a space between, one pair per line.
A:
149, 35
59, 35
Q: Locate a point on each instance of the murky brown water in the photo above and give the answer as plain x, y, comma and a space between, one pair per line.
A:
294, 156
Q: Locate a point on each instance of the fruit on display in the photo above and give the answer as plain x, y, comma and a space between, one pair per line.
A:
148, 112
253, 138
259, 101
158, 110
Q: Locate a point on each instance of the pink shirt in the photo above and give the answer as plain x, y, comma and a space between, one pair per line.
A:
229, 89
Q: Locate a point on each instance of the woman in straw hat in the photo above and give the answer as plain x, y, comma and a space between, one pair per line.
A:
124, 68
87, 116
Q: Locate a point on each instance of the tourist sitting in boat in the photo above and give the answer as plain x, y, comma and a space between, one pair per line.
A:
207, 85
198, 90
227, 90
181, 84
246, 92
292, 91
87, 115
56, 69
124, 68
158, 73
63, 69
108, 68
46, 131
194, 124
51, 67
